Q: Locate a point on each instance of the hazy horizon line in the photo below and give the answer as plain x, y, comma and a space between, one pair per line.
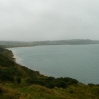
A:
44, 40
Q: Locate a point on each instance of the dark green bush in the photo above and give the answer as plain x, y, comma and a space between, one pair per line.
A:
18, 80
7, 77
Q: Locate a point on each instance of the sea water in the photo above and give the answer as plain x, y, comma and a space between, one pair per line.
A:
80, 62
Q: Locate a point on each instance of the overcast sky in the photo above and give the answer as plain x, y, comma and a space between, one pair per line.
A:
35, 20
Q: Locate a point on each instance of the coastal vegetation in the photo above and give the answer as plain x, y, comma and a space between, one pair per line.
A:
20, 82
56, 42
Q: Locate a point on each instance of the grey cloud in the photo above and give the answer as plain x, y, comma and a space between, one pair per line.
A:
30, 20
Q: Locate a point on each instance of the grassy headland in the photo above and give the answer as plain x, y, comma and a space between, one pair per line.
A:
55, 42
20, 82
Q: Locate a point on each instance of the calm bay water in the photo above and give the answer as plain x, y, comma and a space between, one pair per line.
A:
76, 61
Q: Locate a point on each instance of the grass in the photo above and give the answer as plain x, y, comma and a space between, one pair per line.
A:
80, 91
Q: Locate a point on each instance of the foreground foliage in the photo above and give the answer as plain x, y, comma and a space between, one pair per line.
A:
80, 91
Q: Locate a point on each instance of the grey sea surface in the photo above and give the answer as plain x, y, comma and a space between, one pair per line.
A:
80, 62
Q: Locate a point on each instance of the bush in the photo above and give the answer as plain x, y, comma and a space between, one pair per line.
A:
6, 77
18, 80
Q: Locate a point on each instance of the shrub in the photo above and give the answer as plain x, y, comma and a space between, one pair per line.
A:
6, 77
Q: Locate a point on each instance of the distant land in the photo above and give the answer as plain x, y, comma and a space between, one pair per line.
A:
55, 42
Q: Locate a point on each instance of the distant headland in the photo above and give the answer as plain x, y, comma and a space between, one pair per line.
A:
54, 42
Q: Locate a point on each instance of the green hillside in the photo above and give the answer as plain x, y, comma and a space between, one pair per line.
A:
19, 82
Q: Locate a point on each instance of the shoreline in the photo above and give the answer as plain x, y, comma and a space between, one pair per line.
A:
16, 60
15, 56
